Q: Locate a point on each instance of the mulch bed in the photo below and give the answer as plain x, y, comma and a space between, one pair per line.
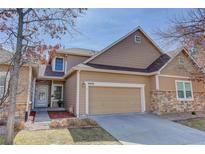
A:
60, 114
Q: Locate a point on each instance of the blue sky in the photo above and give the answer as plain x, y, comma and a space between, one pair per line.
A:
100, 27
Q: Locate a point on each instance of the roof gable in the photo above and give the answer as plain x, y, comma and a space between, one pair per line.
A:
126, 53
122, 38
174, 68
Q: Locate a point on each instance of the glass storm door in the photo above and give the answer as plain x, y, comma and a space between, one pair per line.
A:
41, 96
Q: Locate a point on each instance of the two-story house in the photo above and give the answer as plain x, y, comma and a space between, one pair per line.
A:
131, 75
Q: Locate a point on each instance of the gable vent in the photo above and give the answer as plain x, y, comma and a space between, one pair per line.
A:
181, 60
137, 39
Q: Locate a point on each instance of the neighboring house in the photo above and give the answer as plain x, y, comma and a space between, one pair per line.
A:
130, 75
23, 97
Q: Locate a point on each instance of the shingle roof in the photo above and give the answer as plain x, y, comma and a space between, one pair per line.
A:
155, 66
158, 63
49, 72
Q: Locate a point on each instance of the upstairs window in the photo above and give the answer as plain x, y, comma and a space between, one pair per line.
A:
59, 63
184, 90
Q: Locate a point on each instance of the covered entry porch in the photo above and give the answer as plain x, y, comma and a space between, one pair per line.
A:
48, 95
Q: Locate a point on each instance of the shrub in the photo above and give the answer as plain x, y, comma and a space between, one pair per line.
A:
19, 125
73, 122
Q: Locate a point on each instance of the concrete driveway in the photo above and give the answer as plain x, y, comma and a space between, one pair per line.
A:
148, 129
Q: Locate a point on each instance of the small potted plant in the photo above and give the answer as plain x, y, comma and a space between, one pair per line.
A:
60, 103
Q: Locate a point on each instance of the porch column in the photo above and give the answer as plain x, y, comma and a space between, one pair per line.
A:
28, 93
86, 98
142, 94
34, 89
51, 94
29, 88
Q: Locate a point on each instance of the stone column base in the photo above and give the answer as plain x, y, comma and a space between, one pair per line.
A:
19, 115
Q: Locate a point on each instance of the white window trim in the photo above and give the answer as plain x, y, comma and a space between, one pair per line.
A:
181, 60
112, 84
137, 39
54, 64
184, 99
53, 85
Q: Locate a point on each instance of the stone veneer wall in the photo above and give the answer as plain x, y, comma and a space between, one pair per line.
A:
165, 102
20, 113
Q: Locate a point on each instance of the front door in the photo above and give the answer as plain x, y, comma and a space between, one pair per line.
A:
41, 96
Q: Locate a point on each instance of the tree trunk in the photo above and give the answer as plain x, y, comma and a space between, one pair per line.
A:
14, 74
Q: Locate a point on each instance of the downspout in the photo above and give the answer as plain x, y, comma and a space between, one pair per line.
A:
28, 93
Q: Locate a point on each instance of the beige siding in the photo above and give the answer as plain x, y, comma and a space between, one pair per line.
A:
109, 77
129, 54
73, 60
22, 85
152, 83
168, 84
70, 92
108, 100
3, 68
174, 68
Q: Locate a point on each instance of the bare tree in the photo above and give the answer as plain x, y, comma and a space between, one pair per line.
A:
189, 31
26, 30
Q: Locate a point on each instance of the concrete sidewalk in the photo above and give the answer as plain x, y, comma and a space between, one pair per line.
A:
41, 122
42, 116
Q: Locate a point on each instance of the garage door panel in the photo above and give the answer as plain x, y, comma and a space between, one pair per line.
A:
108, 100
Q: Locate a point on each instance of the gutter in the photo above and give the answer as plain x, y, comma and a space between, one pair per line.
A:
76, 54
